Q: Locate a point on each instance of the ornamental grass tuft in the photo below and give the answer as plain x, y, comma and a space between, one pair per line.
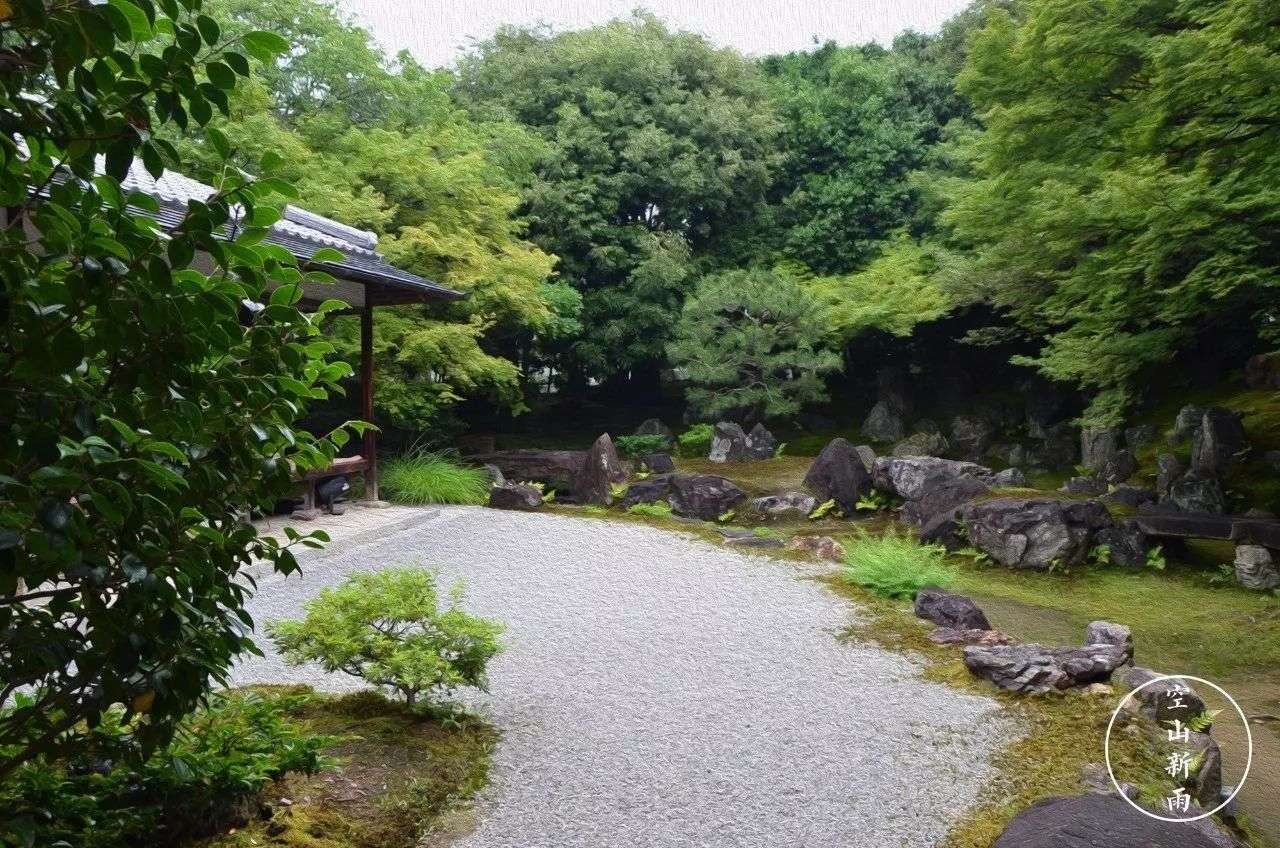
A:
433, 477
896, 566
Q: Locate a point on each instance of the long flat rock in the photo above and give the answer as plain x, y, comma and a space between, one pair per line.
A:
1198, 525
661, 691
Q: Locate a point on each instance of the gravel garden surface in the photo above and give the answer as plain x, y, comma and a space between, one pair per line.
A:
658, 690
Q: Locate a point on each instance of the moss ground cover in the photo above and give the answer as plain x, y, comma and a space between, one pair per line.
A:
400, 776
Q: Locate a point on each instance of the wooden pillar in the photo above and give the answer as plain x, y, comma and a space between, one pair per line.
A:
370, 449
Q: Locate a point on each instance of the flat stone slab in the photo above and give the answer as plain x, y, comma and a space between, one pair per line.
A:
1197, 525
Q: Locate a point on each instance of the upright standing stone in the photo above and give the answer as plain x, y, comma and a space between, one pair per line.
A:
1217, 441
1168, 472
600, 471
838, 474
760, 443
728, 443
1255, 568
883, 423
1097, 446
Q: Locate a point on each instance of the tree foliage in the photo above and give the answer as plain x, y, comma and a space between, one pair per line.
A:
653, 138
147, 406
1125, 199
388, 628
750, 344
378, 144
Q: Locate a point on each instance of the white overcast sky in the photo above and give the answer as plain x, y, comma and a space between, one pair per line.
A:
437, 31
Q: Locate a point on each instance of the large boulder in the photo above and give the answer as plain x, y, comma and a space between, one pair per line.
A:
1216, 443
704, 496
515, 496
1126, 544
883, 423
785, 505
943, 498
1263, 371
655, 427
868, 456
1009, 478
653, 490
1161, 702
728, 443
1168, 471
912, 477
1185, 423
600, 470
1109, 633
557, 470
971, 435
1098, 820
1197, 493
1120, 466
1034, 533
838, 474
760, 443
922, 443
1255, 568
658, 463
1131, 496
1097, 446
948, 609
1034, 668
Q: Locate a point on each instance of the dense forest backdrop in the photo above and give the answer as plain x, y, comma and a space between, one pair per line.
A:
1061, 190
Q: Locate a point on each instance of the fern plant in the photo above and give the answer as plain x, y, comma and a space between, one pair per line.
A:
824, 509
896, 566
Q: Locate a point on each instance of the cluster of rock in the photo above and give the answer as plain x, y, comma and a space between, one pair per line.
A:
585, 477
1101, 817
701, 496
1045, 438
730, 443
1024, 668
1105, 658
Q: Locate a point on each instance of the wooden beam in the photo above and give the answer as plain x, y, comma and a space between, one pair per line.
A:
370, 450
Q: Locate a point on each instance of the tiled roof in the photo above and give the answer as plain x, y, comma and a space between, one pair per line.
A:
300, 232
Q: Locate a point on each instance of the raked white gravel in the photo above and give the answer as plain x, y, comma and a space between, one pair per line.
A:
661, 691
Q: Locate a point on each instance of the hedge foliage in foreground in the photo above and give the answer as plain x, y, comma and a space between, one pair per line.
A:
148, 398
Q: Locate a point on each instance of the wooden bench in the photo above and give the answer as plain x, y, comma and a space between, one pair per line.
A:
341, 465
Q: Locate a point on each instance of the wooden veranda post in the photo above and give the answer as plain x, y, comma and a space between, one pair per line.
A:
370, 449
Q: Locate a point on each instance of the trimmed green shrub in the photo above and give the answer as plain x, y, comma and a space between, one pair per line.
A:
895, 566
696, 441
388, 628
221, 756
634, 447
433, 477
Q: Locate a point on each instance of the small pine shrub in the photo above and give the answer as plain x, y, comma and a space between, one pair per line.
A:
895, 566
424, 477
696, 441
389, 628
633, 447
653, 510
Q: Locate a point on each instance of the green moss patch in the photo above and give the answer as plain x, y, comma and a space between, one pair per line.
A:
398, 774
